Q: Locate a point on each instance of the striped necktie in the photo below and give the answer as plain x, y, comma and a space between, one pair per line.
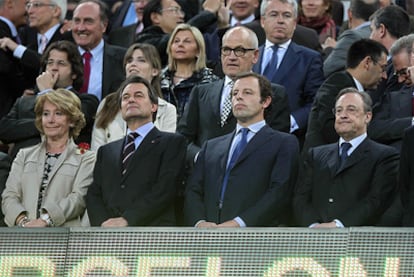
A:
129, 149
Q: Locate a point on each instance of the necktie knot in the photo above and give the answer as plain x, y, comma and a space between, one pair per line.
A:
132, 136
87, 55
345, 146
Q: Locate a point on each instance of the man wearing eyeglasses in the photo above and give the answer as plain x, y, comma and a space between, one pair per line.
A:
395, 112
45, 19
162, 16
206, 115
350, 182
366, 65
61, 67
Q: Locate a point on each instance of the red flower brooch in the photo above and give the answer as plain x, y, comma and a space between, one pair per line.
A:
83, 147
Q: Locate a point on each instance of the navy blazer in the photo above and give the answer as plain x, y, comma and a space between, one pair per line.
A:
300, 72
357, 193
259, 186
145, 194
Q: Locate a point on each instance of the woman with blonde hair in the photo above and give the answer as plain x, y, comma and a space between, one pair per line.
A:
140, 59
186, 66
48, 182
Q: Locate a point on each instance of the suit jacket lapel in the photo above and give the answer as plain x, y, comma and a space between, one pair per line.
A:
216, 90
150, 141
358, 154
289, 59
257, 67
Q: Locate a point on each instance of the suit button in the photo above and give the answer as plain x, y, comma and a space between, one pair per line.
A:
122, 186
330, 200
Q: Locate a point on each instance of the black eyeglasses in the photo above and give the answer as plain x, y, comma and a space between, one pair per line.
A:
238, 51
401, 72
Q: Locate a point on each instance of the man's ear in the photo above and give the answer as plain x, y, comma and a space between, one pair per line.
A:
155, 18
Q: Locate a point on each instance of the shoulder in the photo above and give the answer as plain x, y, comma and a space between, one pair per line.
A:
113, 49
379, 148
304, 50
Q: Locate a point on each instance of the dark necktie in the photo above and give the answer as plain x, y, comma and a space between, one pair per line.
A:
236, 153
412, 105
129, 149
271, 66
86, 71
344, 152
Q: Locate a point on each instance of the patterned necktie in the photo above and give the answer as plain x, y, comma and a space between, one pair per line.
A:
234, 156
271, 66
43, 43
86, 71
129, 149
226, 106
344, 152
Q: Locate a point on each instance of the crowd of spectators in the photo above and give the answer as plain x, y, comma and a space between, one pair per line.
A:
206, 113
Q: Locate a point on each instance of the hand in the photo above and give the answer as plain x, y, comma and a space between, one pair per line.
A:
36, 223
8, 44
115, 222
206, 224
66, 26
329, 42
46, 80
230, 223
331, 224
223, 15
212, 5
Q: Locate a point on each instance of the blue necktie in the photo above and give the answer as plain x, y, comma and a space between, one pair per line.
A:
344, 152
271, 66
236, 153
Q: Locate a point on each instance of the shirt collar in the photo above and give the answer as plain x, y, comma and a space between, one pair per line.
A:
142, 130
49, 33
254, 128
95, 51
355, 142
284, 45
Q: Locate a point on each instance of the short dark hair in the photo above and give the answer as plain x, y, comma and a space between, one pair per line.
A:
366, 99
153, 6
395, 20
135, 79
363, 48
363, 9
74, 58
265, 87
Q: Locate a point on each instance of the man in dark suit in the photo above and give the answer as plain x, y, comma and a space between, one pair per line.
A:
358, 22
407, 177
350, 182
394, 113
106, 61
366, 64
12, 15
282, 61
202, 117
135, 179
244, 178
61, 68
44, 27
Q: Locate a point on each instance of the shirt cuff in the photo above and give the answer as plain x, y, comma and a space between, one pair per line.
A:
19, 51
338, 223
198, 222
44, 91
240, 222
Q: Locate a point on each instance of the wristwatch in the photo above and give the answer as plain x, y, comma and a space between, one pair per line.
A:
47, 219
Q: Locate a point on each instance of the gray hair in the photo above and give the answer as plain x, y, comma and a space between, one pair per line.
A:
403, 43
265, 3
63, 5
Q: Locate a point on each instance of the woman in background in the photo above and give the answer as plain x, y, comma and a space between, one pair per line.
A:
186, 66
140, 59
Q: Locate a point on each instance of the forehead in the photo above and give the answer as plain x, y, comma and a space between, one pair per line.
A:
350, 99
87, 10
184, 34
169, 3
277, 6
135, 87
401, 58
56, 54
237, 38
247, 83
